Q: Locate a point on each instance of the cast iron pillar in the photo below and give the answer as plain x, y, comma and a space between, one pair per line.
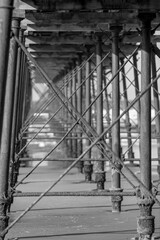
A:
88, 167
79, 108
15, 114
156, 105
70, 150
6, 7
66, 95
21, 107
145, 222
74, 100
99, 165
7, 127
21, 93
26, 98
116, 147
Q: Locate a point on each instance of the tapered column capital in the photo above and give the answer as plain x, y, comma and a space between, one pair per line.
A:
146, 16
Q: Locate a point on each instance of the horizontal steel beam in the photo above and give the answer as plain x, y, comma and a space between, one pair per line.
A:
55, 48
58, 40
84, 159
78, 194
50, 18
55, 55
56, 5
79, 38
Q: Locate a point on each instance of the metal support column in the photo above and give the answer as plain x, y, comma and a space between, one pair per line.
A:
6, 7
116, 146
99, 166
88, 167
26, 96
74, 100
156, 105
7, 126
21, 93
66, 95
69, 115
15, 112
79, 108
145, 223
22, 104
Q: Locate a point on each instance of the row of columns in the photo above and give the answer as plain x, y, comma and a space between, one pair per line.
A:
15, 102
14, 105
145, 220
